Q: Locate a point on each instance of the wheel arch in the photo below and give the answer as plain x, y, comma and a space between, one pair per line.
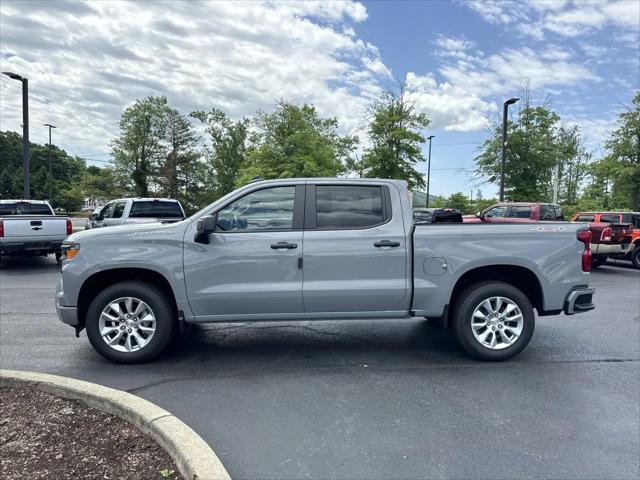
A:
520, 277
105, 278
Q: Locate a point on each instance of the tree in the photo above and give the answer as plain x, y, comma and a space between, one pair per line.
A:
623, 156
139, 150
460, 202
294, 141
395, 138
180, 140
531, 154
229, 145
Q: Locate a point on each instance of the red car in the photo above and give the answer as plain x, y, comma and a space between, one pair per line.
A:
518, 212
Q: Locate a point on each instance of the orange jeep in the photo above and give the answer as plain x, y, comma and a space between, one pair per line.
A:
632, 218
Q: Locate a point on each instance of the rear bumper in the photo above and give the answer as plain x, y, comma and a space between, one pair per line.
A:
579, 300
609, 249
9, 247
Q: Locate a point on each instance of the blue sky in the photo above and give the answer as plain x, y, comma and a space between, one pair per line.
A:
88, 61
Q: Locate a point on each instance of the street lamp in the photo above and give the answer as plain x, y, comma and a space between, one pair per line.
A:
25, 130
505, 109
50, 169
430, 137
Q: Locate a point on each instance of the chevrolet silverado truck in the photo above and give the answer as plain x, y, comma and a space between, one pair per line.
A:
31, 228
621, 240
309, 249
124, 211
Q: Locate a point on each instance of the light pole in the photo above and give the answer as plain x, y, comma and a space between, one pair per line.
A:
505, 111
25, 130
430, 137
50, 169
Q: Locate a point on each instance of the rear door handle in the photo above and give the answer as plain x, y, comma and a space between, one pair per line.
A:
283, 245
386, 243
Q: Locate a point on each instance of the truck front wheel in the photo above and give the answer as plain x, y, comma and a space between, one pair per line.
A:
493, 320
130, 322
635, 257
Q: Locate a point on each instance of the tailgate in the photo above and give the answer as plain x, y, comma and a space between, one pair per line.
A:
18, 226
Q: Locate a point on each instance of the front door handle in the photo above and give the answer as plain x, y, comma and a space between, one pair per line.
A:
386, 243
284, 245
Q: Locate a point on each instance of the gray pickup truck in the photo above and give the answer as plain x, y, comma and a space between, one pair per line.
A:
305, 249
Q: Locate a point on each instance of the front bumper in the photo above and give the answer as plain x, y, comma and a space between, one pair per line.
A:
68, 315
579, 300
611, 249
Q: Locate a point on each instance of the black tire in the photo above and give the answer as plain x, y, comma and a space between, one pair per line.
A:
163, 311
465, 306
598, 260
635, 257
58, 256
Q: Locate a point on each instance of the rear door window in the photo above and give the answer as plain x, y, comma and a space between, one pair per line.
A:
156, 209
349, 206
520, 211
610, 218
547, 212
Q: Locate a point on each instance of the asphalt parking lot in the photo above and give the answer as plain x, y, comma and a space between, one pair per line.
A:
373, 399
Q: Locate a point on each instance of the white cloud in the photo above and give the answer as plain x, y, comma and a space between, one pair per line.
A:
560, 17
447, 106
99, 57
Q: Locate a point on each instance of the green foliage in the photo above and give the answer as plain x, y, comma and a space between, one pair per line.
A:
139, 150
622, 161
396, 141
293, 141
229, 145
539, 146
460, 202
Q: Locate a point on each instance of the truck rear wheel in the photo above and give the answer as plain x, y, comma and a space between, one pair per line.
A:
130, 322
635, 257
493, 320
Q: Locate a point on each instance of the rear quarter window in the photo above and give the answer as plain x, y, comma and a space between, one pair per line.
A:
156, 209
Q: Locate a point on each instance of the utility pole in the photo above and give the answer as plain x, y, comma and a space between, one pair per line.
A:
430, 137
25, 131
556, 184
505, 111
50, 168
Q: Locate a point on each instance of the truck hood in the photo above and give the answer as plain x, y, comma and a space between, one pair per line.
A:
143, 230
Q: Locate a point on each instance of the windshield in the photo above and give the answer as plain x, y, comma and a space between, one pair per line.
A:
24, 209
156, 209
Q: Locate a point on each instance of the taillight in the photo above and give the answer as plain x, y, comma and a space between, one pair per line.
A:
584, 236
1, 228
606, 235
69, 227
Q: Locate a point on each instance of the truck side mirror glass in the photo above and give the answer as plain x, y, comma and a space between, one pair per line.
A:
93, 217
204, 227
479, 214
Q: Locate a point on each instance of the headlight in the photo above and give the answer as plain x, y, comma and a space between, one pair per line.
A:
70, 250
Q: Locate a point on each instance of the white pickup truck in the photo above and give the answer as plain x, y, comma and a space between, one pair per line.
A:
124, 211
31, 228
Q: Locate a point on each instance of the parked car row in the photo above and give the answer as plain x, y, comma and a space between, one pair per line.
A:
613, 234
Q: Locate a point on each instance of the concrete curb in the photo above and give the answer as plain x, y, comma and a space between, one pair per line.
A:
194, 458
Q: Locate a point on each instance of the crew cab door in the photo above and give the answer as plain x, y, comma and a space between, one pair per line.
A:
250, 266
355, 249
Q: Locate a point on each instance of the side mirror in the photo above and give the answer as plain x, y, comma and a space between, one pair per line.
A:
93, 217
204, 227
479, 214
